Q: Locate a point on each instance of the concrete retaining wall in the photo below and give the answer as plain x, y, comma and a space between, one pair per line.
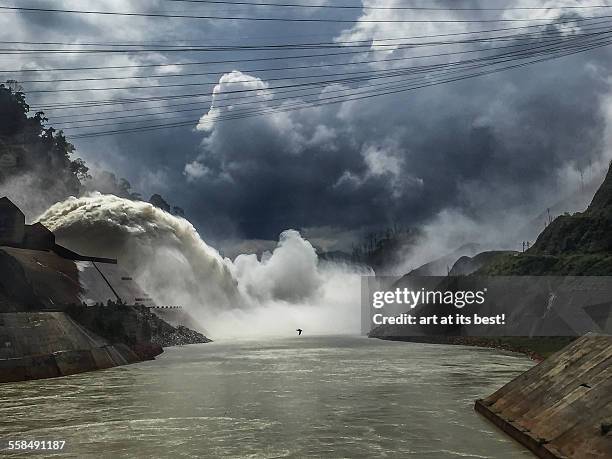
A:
50, 344
562, 408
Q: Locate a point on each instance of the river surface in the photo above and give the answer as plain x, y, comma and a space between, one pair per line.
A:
300, 397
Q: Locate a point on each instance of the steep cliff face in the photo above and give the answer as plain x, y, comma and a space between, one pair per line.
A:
578, 244
602, 201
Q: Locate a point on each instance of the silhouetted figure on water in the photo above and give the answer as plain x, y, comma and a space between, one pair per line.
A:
299, 330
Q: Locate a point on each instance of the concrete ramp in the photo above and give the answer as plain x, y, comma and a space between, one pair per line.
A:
36, 345
562, 408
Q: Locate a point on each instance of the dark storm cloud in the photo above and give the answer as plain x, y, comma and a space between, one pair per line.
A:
503, 141
475, 145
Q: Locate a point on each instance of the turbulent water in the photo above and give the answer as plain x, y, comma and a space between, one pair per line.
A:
282, 290
164, 253
299, 397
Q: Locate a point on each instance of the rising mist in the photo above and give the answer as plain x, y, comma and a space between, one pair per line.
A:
273, 295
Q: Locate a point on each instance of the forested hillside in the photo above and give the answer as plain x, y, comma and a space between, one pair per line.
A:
578, 244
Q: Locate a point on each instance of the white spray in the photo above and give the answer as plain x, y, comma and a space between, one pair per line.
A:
288, 288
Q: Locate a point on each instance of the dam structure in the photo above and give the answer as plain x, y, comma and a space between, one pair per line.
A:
62, 312
56, 275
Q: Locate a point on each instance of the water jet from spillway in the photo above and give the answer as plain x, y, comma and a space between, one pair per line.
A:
287, 288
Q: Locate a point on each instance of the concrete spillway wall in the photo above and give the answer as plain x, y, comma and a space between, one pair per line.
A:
562, 408
33, 280
49, 344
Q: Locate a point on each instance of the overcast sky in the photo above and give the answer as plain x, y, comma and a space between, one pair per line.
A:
505, 143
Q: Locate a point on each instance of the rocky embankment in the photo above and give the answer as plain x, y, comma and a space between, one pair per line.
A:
134, 325
179, 336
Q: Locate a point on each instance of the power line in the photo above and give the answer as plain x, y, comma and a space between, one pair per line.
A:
328, 102
244, 71
369, 48
268, 47
276, 79
582, 48
147, 87
289, 46
376, 8
179, 64
264, 112
242, 99
277, 58
378, 75
251, 70
276, 19
257, 70
232, 104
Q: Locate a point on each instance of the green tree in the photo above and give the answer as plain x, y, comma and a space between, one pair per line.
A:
30, 146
